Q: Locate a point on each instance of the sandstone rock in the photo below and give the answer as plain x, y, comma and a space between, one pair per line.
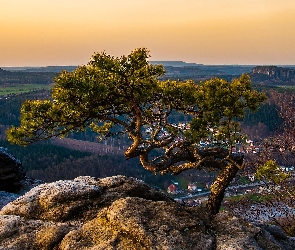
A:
11, 172
121, 213
275, 72
26, 185
273, 75
235, 233
78, 199
20, 233
136, 223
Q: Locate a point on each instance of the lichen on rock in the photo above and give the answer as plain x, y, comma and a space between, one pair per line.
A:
122, 213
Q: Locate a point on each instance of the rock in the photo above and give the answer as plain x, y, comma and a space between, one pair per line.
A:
26, 185
20, 233
273, 75
78, 199
236, 233
274, 234
275, 72
13, 180
136, 223
121, 213
11, 172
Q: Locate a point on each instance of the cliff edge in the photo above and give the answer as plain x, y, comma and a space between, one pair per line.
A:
11, 172
273, 75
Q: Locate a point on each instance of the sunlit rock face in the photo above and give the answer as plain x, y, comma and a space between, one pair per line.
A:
121, 213
273, 75
11, 172
275, 72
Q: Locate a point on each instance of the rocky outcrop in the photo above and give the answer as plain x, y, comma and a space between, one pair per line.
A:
13, 182
122, 213
26, 185
273, 74
235, 233
11, 172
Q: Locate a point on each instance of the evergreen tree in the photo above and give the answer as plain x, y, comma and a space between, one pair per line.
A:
124, 95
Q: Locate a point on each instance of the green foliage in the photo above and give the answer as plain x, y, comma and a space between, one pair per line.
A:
110, 91
90, 95
182, 183
222, 106
126, 92
22, 88
267, 114
258, 198
244, 180
42, 155
10, 106
14, 78
271, 172
50, 162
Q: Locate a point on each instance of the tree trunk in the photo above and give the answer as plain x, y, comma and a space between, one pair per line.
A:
218, 188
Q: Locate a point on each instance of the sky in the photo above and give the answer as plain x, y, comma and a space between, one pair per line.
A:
68, 32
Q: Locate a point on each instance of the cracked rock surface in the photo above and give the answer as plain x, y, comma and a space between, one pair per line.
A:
122, 213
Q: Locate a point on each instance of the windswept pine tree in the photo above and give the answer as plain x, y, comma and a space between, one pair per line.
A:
123, 95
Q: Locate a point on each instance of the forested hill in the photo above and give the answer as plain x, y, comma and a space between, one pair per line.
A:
52, 69
57, 160
66, 159
273, 75
199, 72
23, 77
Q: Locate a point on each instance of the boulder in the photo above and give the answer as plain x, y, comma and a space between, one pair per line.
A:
11, 172
236, 233
122, 213
26, 185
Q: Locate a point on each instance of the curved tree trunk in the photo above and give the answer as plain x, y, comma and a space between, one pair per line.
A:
218, 187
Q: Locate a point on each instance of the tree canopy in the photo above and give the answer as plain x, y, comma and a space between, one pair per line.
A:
125, 95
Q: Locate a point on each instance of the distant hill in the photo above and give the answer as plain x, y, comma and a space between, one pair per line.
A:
273, 75
53, 69
175, 63
199, 72
23, 77
175, 70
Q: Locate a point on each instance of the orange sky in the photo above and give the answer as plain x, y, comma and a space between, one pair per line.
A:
68, 32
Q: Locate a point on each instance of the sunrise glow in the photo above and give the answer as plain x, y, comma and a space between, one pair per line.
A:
40, 33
